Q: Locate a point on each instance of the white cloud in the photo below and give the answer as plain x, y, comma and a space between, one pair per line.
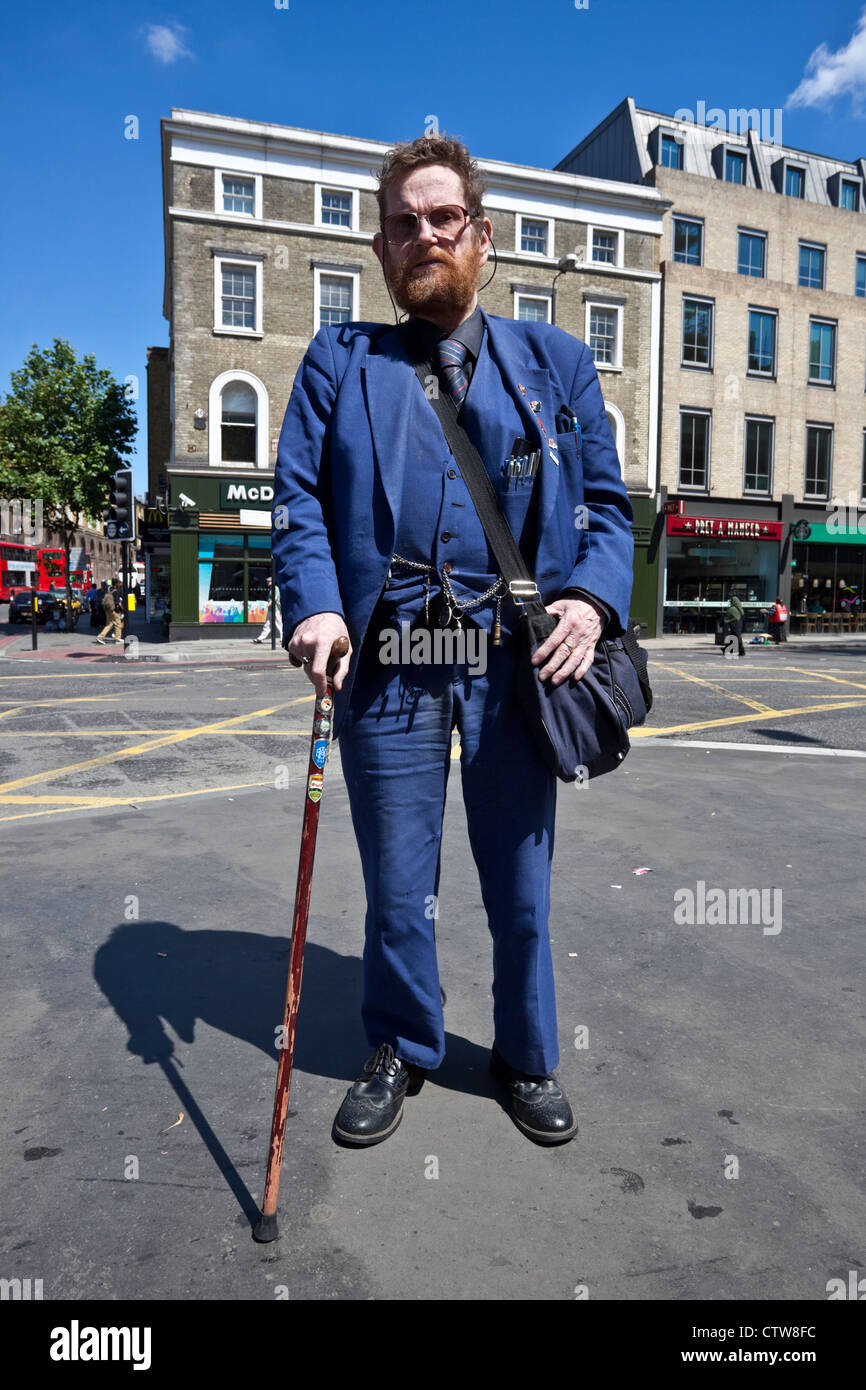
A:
165, 42
829, 75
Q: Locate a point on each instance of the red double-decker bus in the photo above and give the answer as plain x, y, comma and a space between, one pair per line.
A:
36, 567
18, 569
50, 568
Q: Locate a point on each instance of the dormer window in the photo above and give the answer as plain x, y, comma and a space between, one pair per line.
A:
795, 181
671, 152
735, 167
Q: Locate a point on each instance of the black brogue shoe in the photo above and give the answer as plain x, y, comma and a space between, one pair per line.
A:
373, 1107
538, 1104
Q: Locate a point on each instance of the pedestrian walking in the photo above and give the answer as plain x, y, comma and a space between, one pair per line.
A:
112, 601
382, 530
734, 616
273, 609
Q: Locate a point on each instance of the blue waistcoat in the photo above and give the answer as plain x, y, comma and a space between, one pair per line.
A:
438, 521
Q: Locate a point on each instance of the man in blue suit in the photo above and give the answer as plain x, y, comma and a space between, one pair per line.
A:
374, 534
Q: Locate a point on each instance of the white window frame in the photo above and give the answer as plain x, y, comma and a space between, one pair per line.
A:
353, 202
256, 215
542, 298
353, 275
697, 222
518, 236
759, 420
618, 434
599, 302
220, 259
215, 420
617, 262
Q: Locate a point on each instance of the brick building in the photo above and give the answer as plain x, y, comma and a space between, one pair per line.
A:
763, 365
268, 235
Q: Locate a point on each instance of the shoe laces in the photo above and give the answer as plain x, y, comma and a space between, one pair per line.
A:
384, 1060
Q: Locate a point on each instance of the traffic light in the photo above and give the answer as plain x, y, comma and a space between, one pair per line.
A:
119, 515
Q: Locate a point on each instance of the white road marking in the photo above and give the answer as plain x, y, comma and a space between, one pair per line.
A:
751, 747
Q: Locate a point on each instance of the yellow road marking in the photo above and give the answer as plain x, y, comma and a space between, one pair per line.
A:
52, 774
25, 800
95, 802
712, 685
92, 675
743, 719
61, 700
838, 680
125, 733
752, 680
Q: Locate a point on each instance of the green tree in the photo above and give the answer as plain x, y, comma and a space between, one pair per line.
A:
64, 427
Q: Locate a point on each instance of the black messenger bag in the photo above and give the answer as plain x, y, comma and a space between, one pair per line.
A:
581, 727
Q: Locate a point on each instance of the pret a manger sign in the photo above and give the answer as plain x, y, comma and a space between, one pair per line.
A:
732, 528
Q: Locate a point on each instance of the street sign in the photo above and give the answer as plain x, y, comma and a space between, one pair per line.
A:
111, 530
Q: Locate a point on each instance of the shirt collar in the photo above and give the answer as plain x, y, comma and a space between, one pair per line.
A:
428, 334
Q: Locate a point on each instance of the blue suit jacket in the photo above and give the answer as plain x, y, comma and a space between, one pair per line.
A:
348, 435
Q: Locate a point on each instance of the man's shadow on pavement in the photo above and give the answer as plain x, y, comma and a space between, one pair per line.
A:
236, 982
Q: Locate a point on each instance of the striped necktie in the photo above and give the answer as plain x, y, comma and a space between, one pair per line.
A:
451, 359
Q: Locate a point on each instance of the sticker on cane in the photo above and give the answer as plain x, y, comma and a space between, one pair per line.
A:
320, 751
314, 786
321, 727
325, 704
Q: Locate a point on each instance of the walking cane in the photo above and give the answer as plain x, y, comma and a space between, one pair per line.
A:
266, 1229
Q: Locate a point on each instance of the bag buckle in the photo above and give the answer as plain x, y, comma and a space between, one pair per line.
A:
523, 590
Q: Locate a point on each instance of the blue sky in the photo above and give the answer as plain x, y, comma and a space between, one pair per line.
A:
519, 80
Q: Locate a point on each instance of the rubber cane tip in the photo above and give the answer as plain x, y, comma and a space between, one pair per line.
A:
266, 1229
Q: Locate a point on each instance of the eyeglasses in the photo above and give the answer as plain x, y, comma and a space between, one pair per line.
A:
448, 222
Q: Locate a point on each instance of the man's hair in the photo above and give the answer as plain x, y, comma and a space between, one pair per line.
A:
433, 149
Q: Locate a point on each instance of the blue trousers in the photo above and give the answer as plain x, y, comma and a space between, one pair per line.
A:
395, 746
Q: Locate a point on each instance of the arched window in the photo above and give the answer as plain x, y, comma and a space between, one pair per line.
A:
238, 421
617, 429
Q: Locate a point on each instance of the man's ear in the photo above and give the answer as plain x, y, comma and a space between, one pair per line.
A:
379, 248
485, 241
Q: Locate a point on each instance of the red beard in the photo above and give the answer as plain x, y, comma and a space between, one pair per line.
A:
448, 285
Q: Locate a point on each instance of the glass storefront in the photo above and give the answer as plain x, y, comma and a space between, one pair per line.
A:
828, 579
703, 574
233, 571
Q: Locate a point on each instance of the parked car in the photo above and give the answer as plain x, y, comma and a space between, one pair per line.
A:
50, 608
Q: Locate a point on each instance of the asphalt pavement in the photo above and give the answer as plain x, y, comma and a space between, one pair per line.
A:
151, 816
